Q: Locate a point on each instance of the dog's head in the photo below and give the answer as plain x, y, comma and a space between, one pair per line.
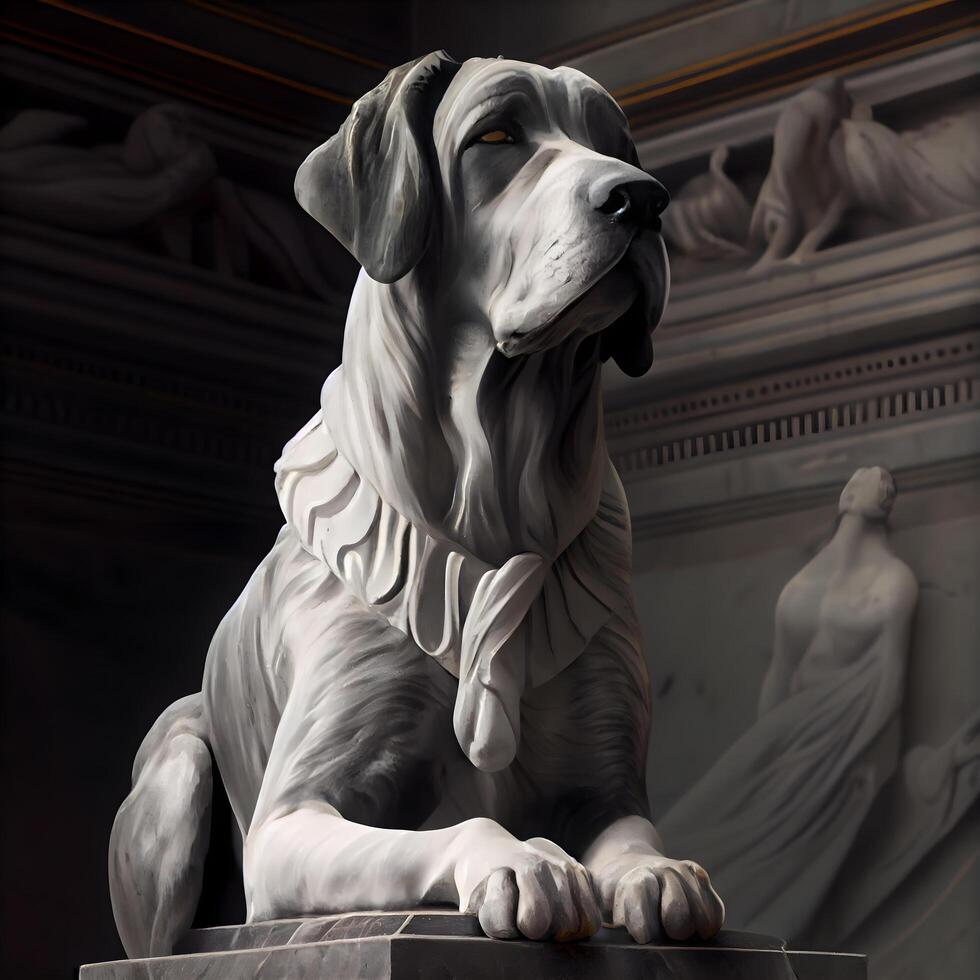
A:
520, 182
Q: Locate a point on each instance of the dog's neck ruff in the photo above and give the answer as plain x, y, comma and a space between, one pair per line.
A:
499, 630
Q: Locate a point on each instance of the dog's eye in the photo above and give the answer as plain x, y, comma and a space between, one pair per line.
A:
495, 136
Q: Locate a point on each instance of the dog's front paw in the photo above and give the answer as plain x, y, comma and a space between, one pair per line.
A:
528, 889
655, 897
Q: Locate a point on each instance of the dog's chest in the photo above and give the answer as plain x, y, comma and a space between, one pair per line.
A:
513, 797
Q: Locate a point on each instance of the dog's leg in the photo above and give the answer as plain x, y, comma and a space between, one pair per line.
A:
360, 749
645, 891
160, 835
595, 716
311, 860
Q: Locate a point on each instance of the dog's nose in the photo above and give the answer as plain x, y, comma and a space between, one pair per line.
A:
641, 201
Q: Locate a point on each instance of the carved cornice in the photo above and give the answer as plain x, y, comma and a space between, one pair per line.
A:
140, 380
275, 24
757, 72
169, 42
33, 489
782, 440
91, 424
631, 32
917, 71
165, 53
70, 278
771, 385
907, 284
777, 410
938, 453
164, 371
161, 47
86, 90
170, 83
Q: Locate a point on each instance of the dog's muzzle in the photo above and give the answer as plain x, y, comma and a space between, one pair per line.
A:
639, 202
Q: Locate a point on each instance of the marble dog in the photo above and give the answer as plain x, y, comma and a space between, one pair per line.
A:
456, 553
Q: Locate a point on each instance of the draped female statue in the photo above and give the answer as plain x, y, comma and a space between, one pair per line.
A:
776, 815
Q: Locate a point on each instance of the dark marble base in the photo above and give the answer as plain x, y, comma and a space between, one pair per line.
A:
419, 945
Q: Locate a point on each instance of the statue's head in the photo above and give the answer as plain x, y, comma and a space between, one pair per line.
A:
517, 188
870, 492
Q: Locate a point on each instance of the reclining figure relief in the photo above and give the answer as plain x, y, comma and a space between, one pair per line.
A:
834, 174
432, 690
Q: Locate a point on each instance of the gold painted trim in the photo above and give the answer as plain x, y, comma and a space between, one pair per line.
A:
221, 59
160, 80
746, 96
777, 47
270, 27
632, 31
949, 30
812, 36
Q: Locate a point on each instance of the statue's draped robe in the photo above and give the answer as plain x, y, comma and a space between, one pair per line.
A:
774, 817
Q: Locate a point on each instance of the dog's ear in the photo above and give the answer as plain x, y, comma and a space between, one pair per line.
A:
629, 341
371, 185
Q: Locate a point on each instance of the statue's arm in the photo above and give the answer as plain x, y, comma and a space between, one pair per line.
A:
827, 224
786, 657
900, 591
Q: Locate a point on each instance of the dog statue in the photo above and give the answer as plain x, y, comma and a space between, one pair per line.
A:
456, 553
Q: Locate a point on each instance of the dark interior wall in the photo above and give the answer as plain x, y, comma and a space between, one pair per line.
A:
148, 390
107, 617
528, 30
138, 444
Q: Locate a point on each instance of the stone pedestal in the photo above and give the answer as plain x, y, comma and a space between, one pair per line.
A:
419, 945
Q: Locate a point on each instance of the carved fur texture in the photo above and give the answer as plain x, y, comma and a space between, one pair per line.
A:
438, 662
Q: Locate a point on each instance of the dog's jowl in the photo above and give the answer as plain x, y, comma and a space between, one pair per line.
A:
432, 690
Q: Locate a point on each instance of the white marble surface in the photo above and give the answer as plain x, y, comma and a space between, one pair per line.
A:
456, 553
